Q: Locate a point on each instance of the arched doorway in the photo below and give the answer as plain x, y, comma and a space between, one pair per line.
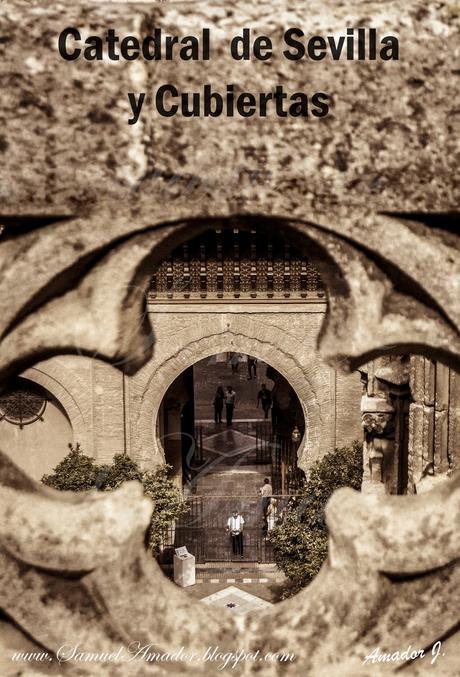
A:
242, 287
236, 453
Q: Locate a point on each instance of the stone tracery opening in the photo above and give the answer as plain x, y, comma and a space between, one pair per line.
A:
35, 428
166, 368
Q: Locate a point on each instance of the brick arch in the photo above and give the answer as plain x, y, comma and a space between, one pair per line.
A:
53, 378
244, 336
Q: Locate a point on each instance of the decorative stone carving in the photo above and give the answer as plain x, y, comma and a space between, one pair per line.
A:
104, 210
357, 584
379, 423
22, 405
379, 444
246, 259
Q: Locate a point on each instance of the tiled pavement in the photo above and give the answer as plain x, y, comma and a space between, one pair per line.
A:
272, 591
239, 602
232, 580
229, 574
240, 481
263, 580
261, 573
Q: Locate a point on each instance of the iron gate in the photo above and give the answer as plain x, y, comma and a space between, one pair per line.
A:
203, 528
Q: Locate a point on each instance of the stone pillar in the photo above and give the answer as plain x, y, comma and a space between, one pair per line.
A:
382, 407
378, 424
434, 423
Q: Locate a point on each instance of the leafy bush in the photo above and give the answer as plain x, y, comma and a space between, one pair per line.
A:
300, 542
122, 469
168, 504
78, 472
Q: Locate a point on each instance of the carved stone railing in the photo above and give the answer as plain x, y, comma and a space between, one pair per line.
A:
90, 209
77, 567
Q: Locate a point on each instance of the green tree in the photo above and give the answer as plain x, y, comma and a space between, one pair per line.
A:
300, 542
122, 469
78, 472
168, 504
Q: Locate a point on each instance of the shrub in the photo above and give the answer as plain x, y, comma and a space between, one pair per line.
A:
122, 469
168, 504
300, 542
78, 472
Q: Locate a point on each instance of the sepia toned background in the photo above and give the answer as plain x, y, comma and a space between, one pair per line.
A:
92, 208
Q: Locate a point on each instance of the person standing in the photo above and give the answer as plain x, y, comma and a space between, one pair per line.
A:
271, 514
235, 525
252, 367
235, 362
230, 399
265, 491
265, 398
218, 403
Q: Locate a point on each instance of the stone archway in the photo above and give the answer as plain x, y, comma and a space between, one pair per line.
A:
53, 376
302, 376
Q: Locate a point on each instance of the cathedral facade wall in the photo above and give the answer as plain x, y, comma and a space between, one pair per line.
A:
110, 412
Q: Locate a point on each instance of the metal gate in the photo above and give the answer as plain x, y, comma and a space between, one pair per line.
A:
203, 528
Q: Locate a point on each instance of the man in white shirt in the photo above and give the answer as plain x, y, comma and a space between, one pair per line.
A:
235, 525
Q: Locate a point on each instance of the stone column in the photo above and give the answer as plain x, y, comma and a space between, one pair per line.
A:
385, 390
378, 424
434, 418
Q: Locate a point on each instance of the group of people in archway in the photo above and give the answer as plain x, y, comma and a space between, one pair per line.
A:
265, 398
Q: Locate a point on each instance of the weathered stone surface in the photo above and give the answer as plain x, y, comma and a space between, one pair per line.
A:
75, 568
387, 141
433, 415
133, 193
372, 308
378, 580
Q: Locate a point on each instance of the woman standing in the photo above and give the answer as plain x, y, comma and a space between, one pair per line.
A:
218, 404
271, 514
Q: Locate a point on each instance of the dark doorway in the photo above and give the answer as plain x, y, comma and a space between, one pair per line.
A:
224, 465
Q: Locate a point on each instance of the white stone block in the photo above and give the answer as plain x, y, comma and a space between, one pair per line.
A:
184, 570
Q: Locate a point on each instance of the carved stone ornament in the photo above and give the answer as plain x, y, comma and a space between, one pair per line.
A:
82, 559
74, 278
377, 422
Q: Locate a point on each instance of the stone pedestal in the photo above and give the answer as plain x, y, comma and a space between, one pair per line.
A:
184, 570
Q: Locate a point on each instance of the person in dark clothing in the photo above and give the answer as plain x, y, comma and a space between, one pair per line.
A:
275, 412
218, 403
265, 398
252, 367
230, 398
